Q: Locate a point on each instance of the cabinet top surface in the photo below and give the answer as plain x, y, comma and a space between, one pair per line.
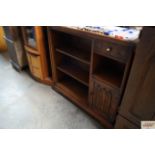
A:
92, 35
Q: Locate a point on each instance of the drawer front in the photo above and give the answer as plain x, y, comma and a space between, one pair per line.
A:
113, 50
35, 65
104, 99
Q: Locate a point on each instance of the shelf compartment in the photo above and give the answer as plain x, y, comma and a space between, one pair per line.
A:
73, 68
72, 87
108, 70
77, 54
76, 47
75, 72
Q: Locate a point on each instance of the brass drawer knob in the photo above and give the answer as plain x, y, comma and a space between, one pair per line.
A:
108, 49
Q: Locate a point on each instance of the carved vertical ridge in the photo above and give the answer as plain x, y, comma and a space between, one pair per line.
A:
101, 99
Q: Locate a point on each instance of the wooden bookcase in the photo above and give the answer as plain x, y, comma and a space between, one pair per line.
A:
90, 70
38, 54
72, 65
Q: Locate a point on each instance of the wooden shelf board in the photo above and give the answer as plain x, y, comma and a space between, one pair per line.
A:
75, 72
83, 56
75, 89
111, 77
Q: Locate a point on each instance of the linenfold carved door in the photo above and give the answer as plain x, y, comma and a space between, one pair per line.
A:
104, 99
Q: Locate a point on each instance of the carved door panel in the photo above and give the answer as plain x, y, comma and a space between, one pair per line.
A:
35, 65
105, 100
139, 100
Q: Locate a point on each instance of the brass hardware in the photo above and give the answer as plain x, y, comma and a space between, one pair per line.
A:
108, 49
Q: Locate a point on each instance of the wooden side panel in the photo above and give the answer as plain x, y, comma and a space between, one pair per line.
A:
18, 45
43, 70
3, 45
139, 99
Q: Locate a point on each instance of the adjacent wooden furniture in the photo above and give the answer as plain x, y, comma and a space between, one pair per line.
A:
91, 70
14, 40
36, 46
138, 103
123, 123
3, 45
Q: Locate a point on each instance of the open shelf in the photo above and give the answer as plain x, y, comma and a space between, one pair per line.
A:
72, 87
77, 54
73, 46
108, 76
75, 72
108, 70
73, 68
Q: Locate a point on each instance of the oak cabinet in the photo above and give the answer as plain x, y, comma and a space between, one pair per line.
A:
14, 40
36, 46
90, 70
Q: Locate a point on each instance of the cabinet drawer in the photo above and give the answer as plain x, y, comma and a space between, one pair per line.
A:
104, 99
110, 49
35, 65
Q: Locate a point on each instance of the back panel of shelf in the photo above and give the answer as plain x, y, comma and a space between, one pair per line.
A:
73, 46
72, 86
73, 68
108, 70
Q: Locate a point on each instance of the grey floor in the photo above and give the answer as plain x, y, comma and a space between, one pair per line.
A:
25, 103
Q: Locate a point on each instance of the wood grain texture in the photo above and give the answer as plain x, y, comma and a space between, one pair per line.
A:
104, 99
16, 50
139, 99
112, 50
72, 54
123, 123
3, 45
41, 49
